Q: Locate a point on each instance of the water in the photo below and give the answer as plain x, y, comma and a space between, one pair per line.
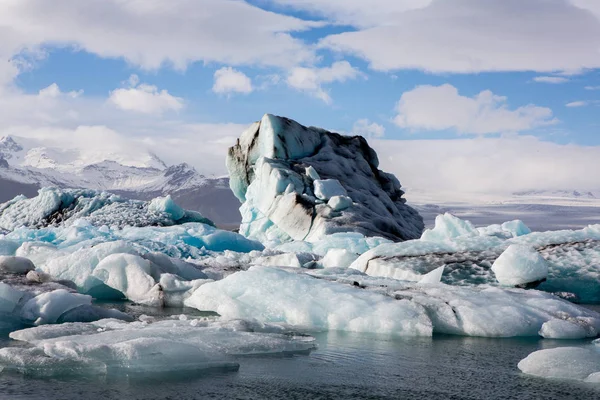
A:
345, 366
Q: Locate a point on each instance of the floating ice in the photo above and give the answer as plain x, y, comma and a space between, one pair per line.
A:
520, 265
276, 296
577, 363
109, 346
339, 203
563, 329
273, 170
338, 300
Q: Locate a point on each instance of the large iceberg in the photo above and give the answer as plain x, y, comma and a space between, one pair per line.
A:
304, 183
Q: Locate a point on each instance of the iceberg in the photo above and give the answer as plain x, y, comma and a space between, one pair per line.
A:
343, 300
285, 174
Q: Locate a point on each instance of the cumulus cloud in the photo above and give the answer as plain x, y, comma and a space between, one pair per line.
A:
153, 33
467, 36
368, 129
555, 80
442, 107
311, 80
144, 98
229, 80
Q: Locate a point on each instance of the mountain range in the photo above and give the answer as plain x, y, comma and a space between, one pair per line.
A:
28, 164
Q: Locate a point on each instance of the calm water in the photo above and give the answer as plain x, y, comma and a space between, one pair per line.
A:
345, 366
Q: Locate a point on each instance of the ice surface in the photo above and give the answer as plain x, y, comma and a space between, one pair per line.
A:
109, 346
273, 169
577, 363
520, 265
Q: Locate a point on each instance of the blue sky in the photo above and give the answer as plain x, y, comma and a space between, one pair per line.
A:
387, 69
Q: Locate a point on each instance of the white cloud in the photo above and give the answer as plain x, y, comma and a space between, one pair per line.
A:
579, 103
310, 80
551, 79
592, 88
229, 80
467, 36
53, 91
442, 107
367, 129
144, 98
357, 13
153, 33
489, 165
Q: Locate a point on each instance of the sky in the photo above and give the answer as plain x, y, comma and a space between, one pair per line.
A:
455, 95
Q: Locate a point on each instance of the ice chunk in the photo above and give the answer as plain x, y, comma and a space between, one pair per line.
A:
433, 277
277, 296
166, 205
15, 265
516, 228
447, 226
520, 265
312, 173
325, 189
269, 173
339, 203
130, 275
562, 329
47, 308
338, 258
576, 363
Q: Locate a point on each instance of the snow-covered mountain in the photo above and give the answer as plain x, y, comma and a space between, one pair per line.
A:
28, 164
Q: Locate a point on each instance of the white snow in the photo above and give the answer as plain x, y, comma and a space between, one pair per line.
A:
519, 265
